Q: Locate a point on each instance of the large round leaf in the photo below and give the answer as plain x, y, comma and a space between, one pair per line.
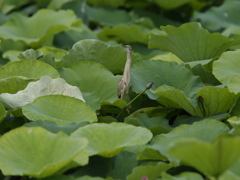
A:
62, 110
95, 81
109, 139
36, 152
227, 70
199, 130
45, 86
112, 57
37, 29
164, 73
31, 69
212, 159
191, 42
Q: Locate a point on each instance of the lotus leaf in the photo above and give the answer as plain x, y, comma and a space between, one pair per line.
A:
163, 73
199, 130
191, 42
36, 152
35, 30
96, 82
45, 86
219, 17
63, 110
207, 102
3, 112
108, 140
112, 57
212, 159
227, 70
151, 171
107, 2
30, 54
125, 33
171, 4
182, 176
31, 69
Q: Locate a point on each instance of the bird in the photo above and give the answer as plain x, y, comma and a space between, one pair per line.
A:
124, 83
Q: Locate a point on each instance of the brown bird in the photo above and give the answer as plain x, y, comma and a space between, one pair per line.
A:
124, 84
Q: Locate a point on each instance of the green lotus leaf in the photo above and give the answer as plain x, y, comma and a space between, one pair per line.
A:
63, 110
227, 70
212, 159
151, 171
235, 123
191, 42
125, 33
54, 128
163, 73
232, 173
156, 125
199, 130
124, 163
31, 69
31, 29
45, 86
3, 112
96, 82
30, 54
207, 102
108, 16
58, 53
11, 55
107, 140
171, 4
218, 17
36, 152
182, 176
13, 84
107, 2
112, 57
8, 6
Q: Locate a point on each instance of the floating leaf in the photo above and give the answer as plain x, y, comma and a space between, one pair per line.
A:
163, 73
199, 130
171, 4
3, 112
22, 28
227, 70
108, 140
45, 86
191, 42
212, 159
218, 17
31, 69
207, 101
112, 57
36, 152
126, 34
62, 110
151, 171
96, 82
182, 176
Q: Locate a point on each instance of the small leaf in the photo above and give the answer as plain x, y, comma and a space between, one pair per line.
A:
45, 86
36, 152
191, 42
63, 110
152, 171
212, 159
227, 70
3, 112
108, 140
30, 54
